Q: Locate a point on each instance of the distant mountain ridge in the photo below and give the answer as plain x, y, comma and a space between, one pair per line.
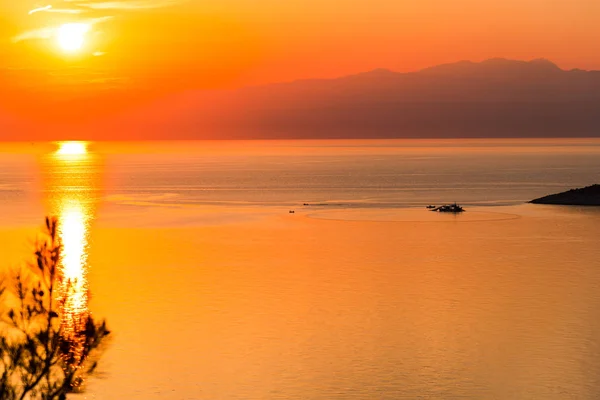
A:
493, 98
498, 65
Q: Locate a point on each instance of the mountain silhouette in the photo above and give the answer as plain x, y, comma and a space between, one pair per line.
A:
493, 98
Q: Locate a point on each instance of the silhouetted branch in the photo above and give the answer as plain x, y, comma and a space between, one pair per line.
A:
45, 353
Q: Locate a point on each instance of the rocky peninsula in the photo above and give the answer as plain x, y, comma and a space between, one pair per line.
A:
587, 196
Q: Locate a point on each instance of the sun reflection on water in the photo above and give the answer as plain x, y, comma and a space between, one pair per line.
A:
73, 232
71, 175
72, 148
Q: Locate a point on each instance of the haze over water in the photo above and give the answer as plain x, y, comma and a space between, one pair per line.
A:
215, 291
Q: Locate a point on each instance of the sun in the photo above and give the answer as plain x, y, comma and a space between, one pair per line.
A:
72, 148
71, 37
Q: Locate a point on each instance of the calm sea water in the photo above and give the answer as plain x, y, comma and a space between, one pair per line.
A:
215, 291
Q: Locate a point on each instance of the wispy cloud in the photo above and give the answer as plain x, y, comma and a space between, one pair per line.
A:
96, 7
43, 33
48, 32
40, 9
79, 6
127, 4
50, 9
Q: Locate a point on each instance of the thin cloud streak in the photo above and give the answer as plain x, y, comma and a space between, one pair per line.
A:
79, 7
40, 9
76, 7
43, 33
128, 5
48, 32
50, 9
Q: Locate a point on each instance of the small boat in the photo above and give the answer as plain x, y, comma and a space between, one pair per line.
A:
448, 208
430, 206
292, 212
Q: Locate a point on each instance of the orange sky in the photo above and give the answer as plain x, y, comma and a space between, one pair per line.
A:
140, 49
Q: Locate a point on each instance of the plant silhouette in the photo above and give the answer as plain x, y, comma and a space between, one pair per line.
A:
46, 350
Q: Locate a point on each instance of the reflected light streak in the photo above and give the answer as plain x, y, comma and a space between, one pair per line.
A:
73, 233
70, 149
71, 182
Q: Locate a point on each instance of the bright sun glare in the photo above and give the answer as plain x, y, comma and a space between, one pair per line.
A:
71, 37
72, 148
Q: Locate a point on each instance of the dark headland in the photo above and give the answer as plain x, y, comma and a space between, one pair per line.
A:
587, 196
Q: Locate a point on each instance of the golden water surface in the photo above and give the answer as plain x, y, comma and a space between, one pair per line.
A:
213, 290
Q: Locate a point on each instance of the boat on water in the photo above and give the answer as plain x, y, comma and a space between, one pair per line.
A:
448, 208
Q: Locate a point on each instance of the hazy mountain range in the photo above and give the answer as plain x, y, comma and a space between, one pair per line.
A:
494, 98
